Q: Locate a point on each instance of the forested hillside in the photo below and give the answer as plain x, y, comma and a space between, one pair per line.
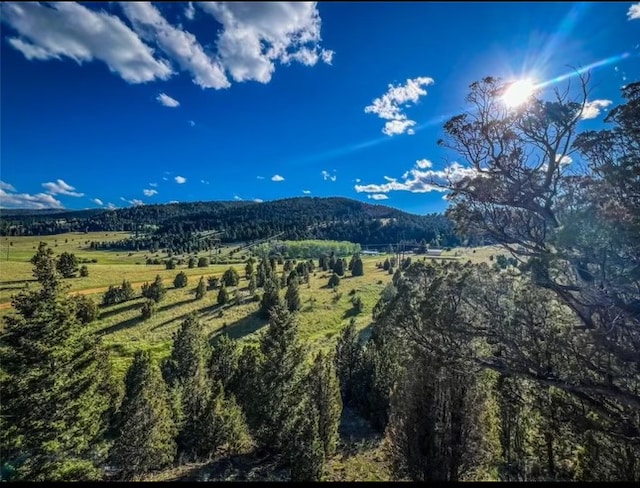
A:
339, 219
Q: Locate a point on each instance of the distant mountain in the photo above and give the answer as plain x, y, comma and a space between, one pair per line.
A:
291, 218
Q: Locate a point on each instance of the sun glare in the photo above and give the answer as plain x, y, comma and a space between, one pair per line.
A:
518, 92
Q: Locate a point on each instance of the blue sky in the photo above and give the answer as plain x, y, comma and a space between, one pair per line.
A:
107, 104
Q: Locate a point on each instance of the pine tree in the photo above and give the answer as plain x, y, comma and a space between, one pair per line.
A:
201, 289
334, 281
280, 385
358, 267
67, 265
292, 297
223, 365
156, 291
252, 284
304, 449
146, 431
181, 280
84, 271
347, 358
338, 267
324, 393
223, 295
231, 277
86, 308
57, 392
147, 309
270, 298
186, 373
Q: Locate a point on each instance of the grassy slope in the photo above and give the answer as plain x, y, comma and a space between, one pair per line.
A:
324, 312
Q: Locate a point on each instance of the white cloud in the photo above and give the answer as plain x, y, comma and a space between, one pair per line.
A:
390, 105
154, 185
255, 35
378, 196
204, 182
181, 46
236, 197
180, 180
174, 201
192, 123
62, 188
306, 192
190, 11
277, 178
634, 12
327, 176
135, 202
149, 193
124, 199
358, 180
167, 101
260, 177
258, 200
111, 206
165, 178
592, 109
62, 29
424, 164
564, 160
6, 186
419, 180
250, 39
97, 201
8, 199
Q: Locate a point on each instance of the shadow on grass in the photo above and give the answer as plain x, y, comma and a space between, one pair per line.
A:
174, 305
133, 321
352, 312
243, 327
116, 311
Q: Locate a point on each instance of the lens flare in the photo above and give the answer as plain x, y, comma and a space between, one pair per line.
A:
518, 93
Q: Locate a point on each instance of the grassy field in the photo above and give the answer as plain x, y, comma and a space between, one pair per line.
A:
324, 311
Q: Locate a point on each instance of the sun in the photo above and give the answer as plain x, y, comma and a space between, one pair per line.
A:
518, 92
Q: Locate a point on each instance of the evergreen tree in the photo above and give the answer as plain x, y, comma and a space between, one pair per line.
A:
147, 309
334, 281
358, 267
324, 392
223, 365
170, 264
280, 385
86, 308
57, 392
338, 267
201, 289
186, 373
213, 282
304, 450
231, 277
67, 265
203, 262
192, 262
270, 298
156, 291
252, 284
223, 295
126, 290
347, 359
84, 271
146, 431
181, 280
386, 265
248, 269
292, 297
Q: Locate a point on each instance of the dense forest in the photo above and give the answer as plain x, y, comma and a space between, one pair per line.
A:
179, 225
519, 371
